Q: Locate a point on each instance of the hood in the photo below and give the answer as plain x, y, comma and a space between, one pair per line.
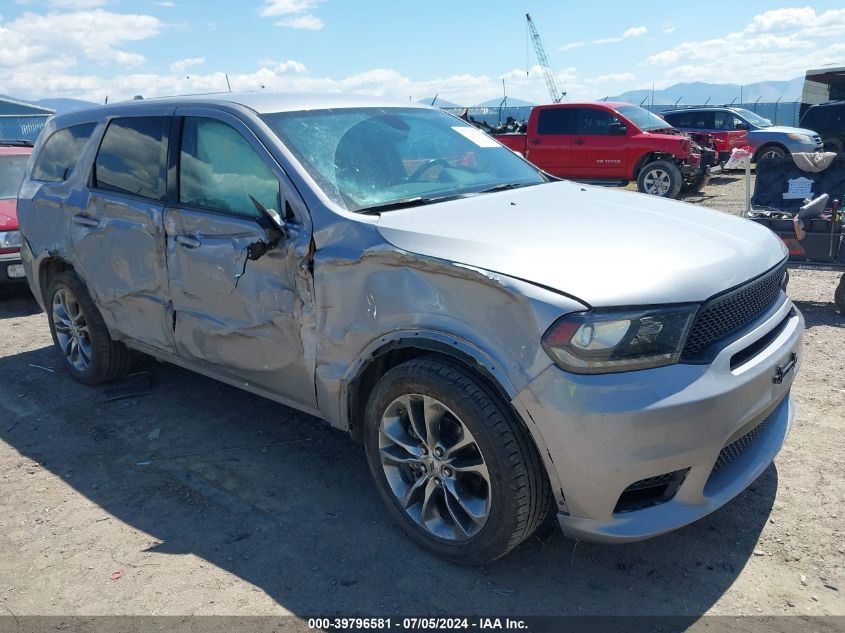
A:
8, 215
603, 247
785, 129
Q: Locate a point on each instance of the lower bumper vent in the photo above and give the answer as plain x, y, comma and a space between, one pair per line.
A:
650, 491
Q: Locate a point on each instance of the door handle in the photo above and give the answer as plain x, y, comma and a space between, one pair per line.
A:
84, 220
188, 241
535, 141
578, 141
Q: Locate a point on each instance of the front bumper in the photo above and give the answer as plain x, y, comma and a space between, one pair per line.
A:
11, 270
604, 433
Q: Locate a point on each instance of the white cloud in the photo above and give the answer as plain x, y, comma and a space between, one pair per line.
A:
166, 3
634, 31
669, 29
273, 8
77, 4
780, 43
611, 78
93, 35
307, 21
181, 66
297, 13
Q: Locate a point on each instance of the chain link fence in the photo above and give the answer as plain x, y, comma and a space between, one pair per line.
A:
779, 113
22, 127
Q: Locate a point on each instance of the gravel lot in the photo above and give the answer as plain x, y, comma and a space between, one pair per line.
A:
203, 499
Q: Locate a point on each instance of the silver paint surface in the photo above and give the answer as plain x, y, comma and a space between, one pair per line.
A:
482, 277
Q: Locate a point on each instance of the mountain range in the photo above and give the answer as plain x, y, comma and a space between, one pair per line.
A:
697, 93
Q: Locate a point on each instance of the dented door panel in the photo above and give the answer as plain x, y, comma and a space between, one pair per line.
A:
118, 243
242, 317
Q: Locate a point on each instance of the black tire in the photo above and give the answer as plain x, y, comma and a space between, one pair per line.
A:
839, 295
109, 359
693, 186
520, 496
666, 173
834, 145
770, 151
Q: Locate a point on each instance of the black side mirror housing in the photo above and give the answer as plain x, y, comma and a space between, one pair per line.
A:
617, 129
741, 126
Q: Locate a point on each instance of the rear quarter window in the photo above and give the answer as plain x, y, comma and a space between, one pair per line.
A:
61, 152
132, 156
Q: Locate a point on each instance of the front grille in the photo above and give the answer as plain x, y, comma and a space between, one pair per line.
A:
739, 446
728, 313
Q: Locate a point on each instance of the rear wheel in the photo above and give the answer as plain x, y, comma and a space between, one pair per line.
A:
456, 470
660, 178
834, 145
80, 334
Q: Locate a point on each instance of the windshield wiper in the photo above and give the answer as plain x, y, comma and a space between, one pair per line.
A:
505, 186
416, 201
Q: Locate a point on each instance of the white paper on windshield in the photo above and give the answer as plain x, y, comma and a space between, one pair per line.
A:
476, 136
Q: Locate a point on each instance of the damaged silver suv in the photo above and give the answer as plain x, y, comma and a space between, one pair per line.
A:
506, 347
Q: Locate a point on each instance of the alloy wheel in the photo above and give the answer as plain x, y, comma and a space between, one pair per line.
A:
71, 329
434, 467
657, 182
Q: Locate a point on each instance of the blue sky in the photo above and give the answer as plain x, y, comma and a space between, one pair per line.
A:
461, 50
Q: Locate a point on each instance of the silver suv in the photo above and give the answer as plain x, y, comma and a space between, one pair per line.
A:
765, 139
507, 348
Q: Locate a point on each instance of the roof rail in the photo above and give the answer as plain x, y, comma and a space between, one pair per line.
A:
16, 143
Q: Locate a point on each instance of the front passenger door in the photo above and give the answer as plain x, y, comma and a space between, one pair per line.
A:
241, 318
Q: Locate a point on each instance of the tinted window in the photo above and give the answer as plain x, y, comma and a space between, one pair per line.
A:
555, 121
679, 119
594, 121
131, 157
219, 170
61, 152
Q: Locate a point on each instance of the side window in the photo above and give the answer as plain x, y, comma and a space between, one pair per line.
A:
555, 121
723, 121
61, 153
131, 157
680, 120
219, 170
594, 121
703, 121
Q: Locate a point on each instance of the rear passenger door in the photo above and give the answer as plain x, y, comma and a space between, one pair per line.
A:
118, 231
244, 318
548, 144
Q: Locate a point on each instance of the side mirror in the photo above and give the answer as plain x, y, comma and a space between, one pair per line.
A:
271, 214
617, 129
741, 126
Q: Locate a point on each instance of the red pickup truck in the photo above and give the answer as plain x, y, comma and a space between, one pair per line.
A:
611, 143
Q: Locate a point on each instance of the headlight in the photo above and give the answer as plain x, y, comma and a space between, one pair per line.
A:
10, 239
801, 138
607, 341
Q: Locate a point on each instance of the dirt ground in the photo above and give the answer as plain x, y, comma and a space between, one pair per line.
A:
203, 499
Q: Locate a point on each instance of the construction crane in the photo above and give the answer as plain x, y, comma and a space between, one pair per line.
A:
551, 83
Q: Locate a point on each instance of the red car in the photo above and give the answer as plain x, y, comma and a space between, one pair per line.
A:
611, 143
13, 158
721, 125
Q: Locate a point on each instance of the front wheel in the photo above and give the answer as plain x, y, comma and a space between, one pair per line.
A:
455, 468
660, 178
80, 334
